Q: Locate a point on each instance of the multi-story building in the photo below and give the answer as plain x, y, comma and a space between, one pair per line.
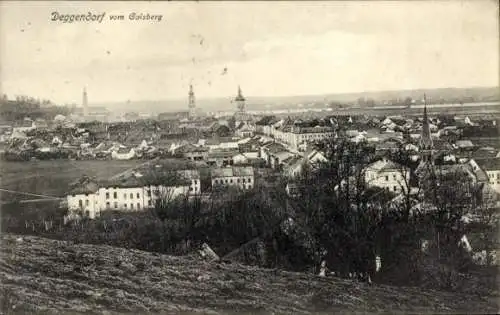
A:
491, 166
388, 175
301, 135
194, 153
295, 136
135, 192
242, 177
221, 157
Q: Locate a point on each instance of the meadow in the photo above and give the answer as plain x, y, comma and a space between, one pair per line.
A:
53, 177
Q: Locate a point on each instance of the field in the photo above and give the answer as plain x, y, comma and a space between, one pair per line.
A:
53, 177
41, 275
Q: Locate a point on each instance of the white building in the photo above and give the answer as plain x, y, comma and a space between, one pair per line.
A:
123, 154
296, 165
294, 136
131, 194
24, 126
490, 166
387, 175
242, 177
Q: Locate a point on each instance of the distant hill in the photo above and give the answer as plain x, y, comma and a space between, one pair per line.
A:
39, 275
259, 103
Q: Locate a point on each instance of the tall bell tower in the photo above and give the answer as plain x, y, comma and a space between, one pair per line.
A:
85, 104
191, 103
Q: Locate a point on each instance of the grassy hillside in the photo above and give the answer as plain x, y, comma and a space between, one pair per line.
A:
41, 275
53, 177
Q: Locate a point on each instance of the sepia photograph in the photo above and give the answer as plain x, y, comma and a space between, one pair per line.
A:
249, 157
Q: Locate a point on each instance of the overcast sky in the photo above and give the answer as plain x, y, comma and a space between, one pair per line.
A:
270, 49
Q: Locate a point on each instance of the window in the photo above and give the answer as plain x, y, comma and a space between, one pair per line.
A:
238, 180
124, 196
125, 205
115, 195
226, 181
80, 203
107, 205
149, 193
138, 206
131, 206
138, 195
395, 188
131, 196
86, 202
243, 180
190, 188
394, 176
107, 195
231, 180
195, 182
249, 186
116, 205
387, 178
249, 180
149, 202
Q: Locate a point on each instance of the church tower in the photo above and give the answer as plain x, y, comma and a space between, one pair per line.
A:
240, 102
85, 103
240, 116
191, 103
426, 144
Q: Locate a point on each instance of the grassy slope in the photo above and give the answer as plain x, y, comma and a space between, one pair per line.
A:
53, 177
39, 274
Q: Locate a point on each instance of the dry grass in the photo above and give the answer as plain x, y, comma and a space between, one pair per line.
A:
41, 275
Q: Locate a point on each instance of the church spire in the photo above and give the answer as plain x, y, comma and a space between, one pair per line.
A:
239, 97
426, 139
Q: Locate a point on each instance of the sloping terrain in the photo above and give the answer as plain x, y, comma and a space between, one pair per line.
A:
42, 275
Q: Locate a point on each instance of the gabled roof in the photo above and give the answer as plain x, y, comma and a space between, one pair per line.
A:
232, 171
283, 155
489, 164
84, 185
274, 147
385, 165
464, 144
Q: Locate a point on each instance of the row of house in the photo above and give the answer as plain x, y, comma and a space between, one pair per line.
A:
295, 134
138, 189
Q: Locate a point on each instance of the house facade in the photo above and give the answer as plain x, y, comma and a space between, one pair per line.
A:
387, 175
490, 166
133, 193
242, 177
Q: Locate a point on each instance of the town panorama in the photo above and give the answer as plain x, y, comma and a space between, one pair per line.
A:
382, 200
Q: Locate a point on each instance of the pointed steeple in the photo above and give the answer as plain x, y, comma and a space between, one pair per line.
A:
426, 139
240, 95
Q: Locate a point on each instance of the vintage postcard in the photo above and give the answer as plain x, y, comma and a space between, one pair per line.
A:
274, 157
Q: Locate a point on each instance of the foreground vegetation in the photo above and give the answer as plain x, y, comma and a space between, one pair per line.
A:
46, 276
333, 218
